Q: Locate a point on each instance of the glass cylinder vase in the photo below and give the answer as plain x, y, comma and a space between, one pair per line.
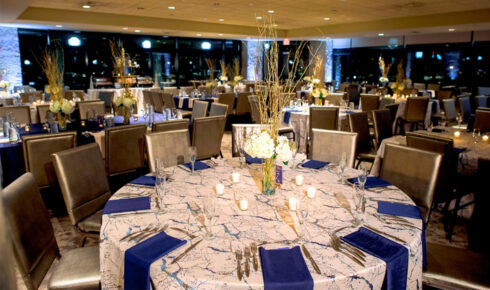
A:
126, 115
61, 118
269, 176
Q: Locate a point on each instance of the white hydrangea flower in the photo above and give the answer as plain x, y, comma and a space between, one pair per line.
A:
260, 145
55, 107
283, 150
67, 107
128, 102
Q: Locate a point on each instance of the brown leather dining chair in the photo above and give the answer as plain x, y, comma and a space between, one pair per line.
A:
170, 125
482, 120
125, 149
413, 171
218, 110
84, 107
172, 147
207, 134
30, 97
22, 114
449, 110
243, 105
369, 103
228, 99
254, 108
37, 155
156, 96
365, 150
415, 110
83, 182
42, 111
168, 100
147, 99
326, 118
383, 125
7, 272
199, 109
337, 142
107, 97
34, 244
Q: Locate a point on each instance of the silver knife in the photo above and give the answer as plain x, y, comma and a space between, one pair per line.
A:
185, 252
382, 233
313, 263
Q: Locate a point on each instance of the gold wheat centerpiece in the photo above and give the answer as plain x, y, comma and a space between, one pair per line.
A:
319, 91
52, 66
401, 81
384, 71
211, 64
120, 59
273, 94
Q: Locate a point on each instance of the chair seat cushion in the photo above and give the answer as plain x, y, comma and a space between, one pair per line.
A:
186, 114
77, 269
367, 155
455, 268
91, 223
284, 128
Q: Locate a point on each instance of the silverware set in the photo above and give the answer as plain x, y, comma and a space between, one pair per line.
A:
348, 250
143, 234
249, 255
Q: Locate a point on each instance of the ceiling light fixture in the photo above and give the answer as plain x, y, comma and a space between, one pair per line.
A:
74, 41
137, 31
326, 18
86, 6
220, 34
59, 26
221, 19
146, 44
381, 34
259, 17
125, 28
270, 11
451, 29
199, 34
171, 7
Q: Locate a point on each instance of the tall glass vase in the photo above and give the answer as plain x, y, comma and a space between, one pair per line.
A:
269, 176
126, 115
61, 118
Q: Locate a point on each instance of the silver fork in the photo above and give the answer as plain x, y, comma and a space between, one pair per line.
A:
141, 238
336, 247
239, 257
347, 247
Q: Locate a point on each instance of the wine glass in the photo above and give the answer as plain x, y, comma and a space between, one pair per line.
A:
192, 154
209, 211
302, 212
342, 165
459, 119
241, 157
362, 177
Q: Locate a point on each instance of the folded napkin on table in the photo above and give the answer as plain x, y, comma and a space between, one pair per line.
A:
458, 150
127, 204
394, 255
349, 112
404, 210
314, 164
252, 160
438, 130
137, 260
144, 180
371, 182
198, 165
287, 115
285, 269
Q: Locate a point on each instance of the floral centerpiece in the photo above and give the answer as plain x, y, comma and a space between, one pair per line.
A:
211, 63
319, 91
224, 72
126, 102
384, 71
4, 85
401, 82
52, 65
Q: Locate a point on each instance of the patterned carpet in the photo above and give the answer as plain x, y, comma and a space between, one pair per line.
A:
68, 238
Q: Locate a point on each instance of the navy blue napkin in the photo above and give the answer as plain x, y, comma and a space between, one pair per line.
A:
371, 182
394, 255
127, 204
137, 260
458, 150
349, 112
198, 165
144, 180
252, 160
279, 174
287, 115
285, 269
438, 130
404, 210
314, 164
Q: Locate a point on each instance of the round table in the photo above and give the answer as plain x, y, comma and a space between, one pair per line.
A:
212, 264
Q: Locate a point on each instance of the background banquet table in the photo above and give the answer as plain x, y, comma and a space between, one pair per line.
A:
212, 264
93, 94
428, 113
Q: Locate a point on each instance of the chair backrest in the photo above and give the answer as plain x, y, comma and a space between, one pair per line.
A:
444, 94
187, 89
156, 96
419, 86
482, 120
199, 109
147, 99
228, 99
205, 90
22, 114
358, 123
254, 108
243, 105
31, 232
107, 97
333, 99
207, 134
125, 148
449, 162
84, 187
393, 110
170, 125
369, 103
172, 147
337, 142
383, 125
37, 154
434, 87
416, 108
481, 101
353, 93
7, 272
465, 107
343, 87
385, 102
449, 109
413, 171
218, 110
168, 100
98, 108
240, 134
30, 97
171, 90
326, 118
41, 112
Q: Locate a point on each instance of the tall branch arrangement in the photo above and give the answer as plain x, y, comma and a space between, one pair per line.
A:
52, 65
120, 59
384, 69
224, 70
211, 63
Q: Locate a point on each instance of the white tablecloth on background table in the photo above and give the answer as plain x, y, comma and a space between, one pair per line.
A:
212, 264
401, 111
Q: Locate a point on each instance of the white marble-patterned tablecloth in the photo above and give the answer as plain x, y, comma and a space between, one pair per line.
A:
212, 265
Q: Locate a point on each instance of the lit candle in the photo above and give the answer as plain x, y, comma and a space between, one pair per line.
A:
220, 188
28, 128
299, 179
82, 123
293, 203
243, 204
311, 192
457, 134
484, 138
135, 118
235, 177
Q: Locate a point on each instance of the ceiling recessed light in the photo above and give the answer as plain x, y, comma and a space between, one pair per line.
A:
199, 34
381, 34
86, 6
326, 18
59, 26
258, 17
137, 31
220, 34
125, 28
451, 29
171, 7
221, 19
270, 11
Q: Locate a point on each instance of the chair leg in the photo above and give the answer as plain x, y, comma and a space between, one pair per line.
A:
220, 154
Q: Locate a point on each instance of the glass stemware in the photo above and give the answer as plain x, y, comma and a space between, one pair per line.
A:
302, 213
193, 154
209, 211
342, 165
